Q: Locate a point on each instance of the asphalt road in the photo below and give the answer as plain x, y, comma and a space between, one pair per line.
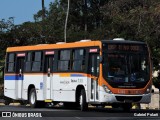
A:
60, 113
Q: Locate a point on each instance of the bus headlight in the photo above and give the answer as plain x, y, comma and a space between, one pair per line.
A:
106, 89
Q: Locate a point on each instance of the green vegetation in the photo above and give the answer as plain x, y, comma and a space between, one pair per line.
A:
1, 77
88, 19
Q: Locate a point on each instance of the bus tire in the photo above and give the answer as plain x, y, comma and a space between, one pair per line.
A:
7, 102
82, 101
23, 102
69, 105
33, 98
115, 105
127, 107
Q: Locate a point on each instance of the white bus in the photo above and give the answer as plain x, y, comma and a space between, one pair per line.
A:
114, 72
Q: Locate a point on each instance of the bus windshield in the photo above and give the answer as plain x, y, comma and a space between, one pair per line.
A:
126, 69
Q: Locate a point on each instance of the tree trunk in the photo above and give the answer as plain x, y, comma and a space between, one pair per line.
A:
43, 10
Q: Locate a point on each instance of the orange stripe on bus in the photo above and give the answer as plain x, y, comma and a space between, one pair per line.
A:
54, 46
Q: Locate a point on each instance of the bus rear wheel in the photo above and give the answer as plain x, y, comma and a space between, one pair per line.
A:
115, 105
70, 105
82, 101
33, 100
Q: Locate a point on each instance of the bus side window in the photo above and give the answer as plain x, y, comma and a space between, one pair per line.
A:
63, 60
79, 60
37, 62
33, 62
11, 63
73, 60
28, 62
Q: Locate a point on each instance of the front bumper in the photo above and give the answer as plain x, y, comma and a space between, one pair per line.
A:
121, 98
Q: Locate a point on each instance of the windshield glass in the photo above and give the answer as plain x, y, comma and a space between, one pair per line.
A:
126, 69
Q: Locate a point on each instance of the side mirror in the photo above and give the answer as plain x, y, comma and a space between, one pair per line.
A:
100, 59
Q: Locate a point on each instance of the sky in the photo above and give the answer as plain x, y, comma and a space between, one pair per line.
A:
21, 10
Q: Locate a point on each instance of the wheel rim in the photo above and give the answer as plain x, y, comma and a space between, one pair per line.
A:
33, 98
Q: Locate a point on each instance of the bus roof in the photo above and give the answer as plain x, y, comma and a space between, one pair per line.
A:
123, 41
54, 46
68, 45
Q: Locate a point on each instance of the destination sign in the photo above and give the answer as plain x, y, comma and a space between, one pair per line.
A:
125, 47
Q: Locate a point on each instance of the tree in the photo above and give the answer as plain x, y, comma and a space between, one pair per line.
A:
91, 19
135, 20
6, 38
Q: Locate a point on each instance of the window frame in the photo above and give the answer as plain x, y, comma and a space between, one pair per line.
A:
71, 60
32, 61
7, 63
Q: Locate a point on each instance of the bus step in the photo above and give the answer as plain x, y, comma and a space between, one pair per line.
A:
48, 100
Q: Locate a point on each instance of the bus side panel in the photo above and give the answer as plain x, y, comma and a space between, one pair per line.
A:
64, 86
13, 86
9, 89
37, 81
61, 89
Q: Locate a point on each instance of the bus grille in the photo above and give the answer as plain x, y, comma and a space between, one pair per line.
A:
129, 98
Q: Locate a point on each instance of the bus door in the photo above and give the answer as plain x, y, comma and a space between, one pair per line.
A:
94, 72
48, 83
19, 74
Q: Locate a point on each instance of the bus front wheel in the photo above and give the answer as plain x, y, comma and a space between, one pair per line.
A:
126, 107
